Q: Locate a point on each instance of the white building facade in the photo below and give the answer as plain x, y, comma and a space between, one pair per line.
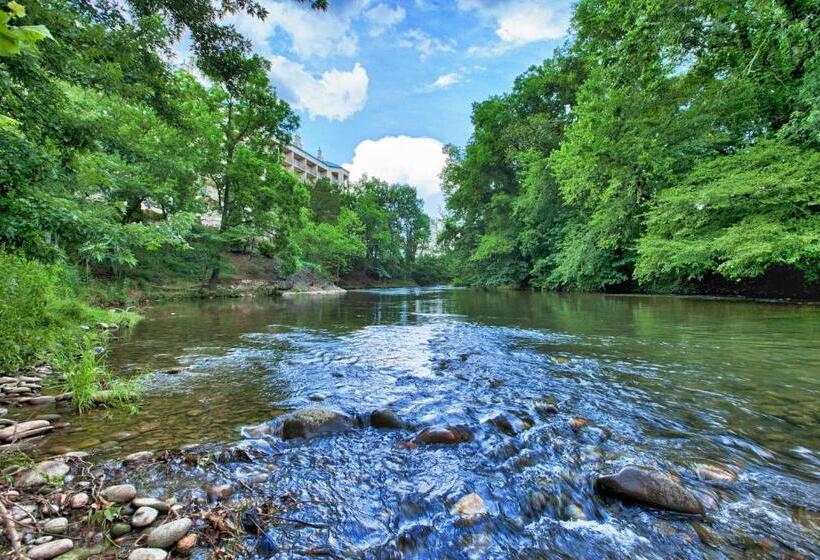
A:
311, 168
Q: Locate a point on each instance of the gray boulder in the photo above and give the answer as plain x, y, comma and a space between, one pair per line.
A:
649, 487
312, 422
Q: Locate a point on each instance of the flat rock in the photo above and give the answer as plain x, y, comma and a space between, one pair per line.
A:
312, 422
167, 535
158, 505
50, 549
41, 474
57, 525
147, 554
649, 487
144, 516
139, 457
119, 494
470, 505
14, 432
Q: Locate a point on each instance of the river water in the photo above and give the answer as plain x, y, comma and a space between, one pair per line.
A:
666, 382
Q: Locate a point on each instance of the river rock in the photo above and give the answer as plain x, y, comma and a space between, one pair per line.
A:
715, 475
166, 536
78, 501
649, 487
158, 505
42, 473
470, 505
220, 491
385, 419
55, 526
144, 516
50, 549
312, 422
139, 457
147, 554
119, 494
186, 544
443, 435
19, 431
119, 529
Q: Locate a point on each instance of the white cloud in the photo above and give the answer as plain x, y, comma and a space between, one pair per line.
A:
416, 161
335, 94
520, 22
313, 33
382, 17
424, 43
445, 81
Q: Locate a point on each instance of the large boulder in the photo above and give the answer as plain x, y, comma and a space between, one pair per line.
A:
312, 422
650, 487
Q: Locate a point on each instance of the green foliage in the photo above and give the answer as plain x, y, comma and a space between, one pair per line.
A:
601, 153
737, 216
333, 246
43, 317
15, 39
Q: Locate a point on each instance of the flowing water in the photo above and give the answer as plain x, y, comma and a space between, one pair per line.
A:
664, 382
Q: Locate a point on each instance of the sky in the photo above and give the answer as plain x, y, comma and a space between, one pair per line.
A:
381, 86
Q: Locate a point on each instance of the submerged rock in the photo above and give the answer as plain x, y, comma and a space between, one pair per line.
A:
715, 475
448, 435
386, 419
41, 473
470, 505
649, 487
312, 422
266, 545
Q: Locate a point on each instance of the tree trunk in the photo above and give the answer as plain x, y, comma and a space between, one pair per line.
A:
213, 282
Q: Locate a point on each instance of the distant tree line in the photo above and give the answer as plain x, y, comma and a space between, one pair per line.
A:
668, 146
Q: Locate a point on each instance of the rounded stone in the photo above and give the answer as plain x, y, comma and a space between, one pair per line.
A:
147, 554
186, 544
120, 529
158, 505
55, 526
649, 487
167, 535
50, 549
119, 494
385, 419
144, 516
78, 501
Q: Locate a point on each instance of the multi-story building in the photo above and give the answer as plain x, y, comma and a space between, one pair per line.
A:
311, 168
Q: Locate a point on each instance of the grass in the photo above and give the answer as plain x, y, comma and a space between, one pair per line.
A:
44, 317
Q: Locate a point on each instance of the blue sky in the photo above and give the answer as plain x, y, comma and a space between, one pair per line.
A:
381, 85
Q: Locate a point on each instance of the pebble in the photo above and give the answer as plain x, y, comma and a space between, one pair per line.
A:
144, 516
715, 475
120, 494
78, 501
385, 419
220, 491
56, 525
158, 505
50, 549
147, 554
186, 544
166, 536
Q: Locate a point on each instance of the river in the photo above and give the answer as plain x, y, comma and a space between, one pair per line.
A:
665, 382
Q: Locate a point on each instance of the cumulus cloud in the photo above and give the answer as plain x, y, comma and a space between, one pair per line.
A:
334, 94
416, 161
520, 22
382, 17
425, 44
